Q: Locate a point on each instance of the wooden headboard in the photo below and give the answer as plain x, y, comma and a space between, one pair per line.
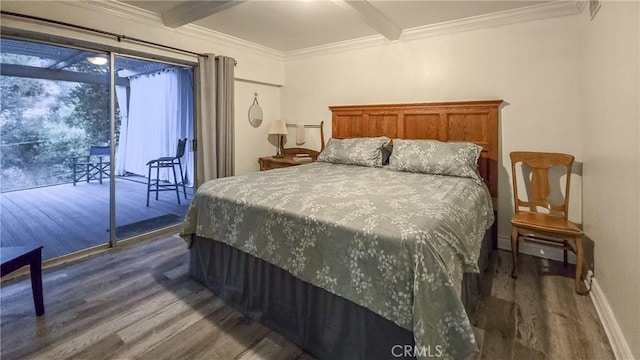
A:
471, 121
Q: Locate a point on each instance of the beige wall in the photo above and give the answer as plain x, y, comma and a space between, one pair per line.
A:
535, 67
251, 143
569, 85
612, 158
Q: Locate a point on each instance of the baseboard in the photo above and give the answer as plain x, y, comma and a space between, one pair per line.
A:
618, 343
537, 250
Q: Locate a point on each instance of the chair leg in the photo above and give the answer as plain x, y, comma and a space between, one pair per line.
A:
100, 171
184, 189
175, 181
157, 181
148, 185
580, 286
514, 251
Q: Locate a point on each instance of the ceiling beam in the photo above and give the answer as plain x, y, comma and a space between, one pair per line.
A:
62, 75
373, 17
74, 59
191, 11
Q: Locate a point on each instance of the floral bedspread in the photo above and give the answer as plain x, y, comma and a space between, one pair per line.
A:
394, 242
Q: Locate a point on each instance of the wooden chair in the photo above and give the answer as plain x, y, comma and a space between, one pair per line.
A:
550, 229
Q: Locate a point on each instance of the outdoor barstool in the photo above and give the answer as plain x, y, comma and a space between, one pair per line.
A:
167, 162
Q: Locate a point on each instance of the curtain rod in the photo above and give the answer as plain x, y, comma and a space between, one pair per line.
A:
118, 37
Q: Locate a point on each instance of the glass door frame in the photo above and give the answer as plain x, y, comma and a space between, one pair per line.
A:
114, 239
112, 53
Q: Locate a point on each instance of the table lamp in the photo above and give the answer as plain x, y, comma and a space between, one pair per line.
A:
278, 128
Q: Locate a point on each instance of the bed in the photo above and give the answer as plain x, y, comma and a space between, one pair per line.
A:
357, 262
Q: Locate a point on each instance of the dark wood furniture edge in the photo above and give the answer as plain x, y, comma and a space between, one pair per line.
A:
271, 162
297, 150
32, 258
454, 104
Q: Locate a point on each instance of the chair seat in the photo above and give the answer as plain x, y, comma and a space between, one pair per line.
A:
93, 163
545, 222
166, 159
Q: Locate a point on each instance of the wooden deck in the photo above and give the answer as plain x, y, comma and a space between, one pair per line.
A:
66, 218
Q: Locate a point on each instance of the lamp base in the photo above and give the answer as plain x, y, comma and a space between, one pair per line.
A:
278, 151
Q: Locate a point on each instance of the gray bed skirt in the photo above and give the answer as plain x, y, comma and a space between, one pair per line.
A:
322, 324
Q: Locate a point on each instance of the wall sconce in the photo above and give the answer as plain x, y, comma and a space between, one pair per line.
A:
278, 128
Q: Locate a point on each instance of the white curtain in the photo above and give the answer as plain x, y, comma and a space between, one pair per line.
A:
159, 115
215, 118
187, 128
123, 105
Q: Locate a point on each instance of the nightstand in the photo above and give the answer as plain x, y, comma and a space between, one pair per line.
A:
270, 162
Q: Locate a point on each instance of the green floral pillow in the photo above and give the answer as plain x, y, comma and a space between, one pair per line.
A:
436, 158
356, 151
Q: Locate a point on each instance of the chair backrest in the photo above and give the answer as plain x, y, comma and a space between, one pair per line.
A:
99, 150
182, 144
540, 163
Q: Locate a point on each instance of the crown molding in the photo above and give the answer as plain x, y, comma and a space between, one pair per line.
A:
337, 47
529, 13
150, 18
230, 41
508, 17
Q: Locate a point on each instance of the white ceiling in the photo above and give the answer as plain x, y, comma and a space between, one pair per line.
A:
295, 25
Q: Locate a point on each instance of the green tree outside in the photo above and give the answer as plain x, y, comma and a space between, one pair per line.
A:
44, 124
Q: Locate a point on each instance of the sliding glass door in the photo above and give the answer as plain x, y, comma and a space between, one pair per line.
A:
154, 164
74, 170
54, 111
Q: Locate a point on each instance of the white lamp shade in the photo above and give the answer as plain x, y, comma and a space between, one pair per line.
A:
278, 127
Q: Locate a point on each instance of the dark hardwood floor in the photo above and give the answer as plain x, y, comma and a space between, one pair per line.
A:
537, 316
66, 218
137, 302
